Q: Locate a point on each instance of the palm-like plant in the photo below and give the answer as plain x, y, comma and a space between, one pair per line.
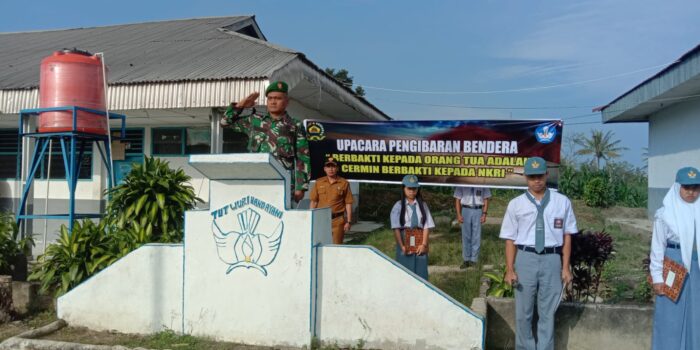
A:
499, 287
601, 146
152, 201
74, 257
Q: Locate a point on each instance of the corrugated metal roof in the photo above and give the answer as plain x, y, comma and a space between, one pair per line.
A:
678, 82
167, 51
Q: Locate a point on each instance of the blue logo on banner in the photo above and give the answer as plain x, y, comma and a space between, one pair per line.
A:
546, 133
246, 246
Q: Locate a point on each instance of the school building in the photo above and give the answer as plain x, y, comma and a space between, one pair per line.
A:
670, 102
172, 80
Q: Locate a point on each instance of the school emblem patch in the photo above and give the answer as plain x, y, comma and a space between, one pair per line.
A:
546, 133
558, 223
240, 239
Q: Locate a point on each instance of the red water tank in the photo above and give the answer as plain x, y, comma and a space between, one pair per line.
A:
72, 78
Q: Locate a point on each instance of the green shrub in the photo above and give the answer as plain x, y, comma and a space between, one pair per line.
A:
626, 185
11, 245
74, 257
152, 202
148, 207
597, 193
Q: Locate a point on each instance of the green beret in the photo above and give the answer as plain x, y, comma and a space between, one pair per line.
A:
535, 166
277, 86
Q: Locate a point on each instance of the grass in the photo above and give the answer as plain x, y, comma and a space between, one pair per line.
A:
162, 340
12, 329
623, 280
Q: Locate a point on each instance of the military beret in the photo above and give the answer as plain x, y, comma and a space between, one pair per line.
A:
410, 181
688, 176
535, 166
277, 86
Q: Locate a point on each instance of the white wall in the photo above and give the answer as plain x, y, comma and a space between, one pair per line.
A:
244, 304
275, 283
199, 182
141, 293
366, 295
674, 142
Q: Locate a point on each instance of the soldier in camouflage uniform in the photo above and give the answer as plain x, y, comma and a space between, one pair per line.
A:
275, 132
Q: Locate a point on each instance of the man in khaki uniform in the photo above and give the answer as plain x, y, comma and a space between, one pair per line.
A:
333, 191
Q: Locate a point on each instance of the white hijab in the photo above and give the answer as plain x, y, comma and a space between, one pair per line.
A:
682, 218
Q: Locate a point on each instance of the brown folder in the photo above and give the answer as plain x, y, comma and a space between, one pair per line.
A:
413, 238
674, 277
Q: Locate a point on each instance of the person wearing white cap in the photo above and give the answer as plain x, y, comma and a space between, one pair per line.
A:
537, 229
675, 236
411, 212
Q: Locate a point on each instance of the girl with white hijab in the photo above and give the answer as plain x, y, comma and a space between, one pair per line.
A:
676, 225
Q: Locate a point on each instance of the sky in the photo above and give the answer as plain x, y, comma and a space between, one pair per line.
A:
440, 60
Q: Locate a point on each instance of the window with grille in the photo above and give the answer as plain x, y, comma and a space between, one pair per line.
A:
10, 148
181, 141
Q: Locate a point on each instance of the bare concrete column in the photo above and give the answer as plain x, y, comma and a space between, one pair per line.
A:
5, 298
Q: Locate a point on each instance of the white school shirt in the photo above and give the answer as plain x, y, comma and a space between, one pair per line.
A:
519, 221
659, 237
396, 213
472, 195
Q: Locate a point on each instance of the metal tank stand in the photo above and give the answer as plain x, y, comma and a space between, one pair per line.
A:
73, 145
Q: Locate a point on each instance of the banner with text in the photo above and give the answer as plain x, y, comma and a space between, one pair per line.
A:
487, 153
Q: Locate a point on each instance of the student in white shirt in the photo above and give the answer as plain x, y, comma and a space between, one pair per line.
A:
412, 212
537, 229
675, 236
471, 205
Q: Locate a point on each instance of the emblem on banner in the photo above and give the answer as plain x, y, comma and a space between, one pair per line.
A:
546, 133
245, 246
315, 132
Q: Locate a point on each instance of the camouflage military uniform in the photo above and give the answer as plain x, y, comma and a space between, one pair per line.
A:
265, 134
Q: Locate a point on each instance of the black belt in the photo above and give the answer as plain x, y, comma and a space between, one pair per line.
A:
335, 215
673, 245
472, 206
546, 250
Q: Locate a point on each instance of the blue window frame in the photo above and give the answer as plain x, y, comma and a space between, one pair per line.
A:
133, 138
180, 141
10, 148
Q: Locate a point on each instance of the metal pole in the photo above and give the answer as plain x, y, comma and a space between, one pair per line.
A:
48, 188
109, 128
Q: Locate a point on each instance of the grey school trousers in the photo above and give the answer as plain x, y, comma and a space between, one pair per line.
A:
540, 284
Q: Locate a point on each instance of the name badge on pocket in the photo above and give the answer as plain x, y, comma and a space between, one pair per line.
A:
558, 223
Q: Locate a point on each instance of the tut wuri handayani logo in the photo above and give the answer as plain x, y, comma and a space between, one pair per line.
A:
546, 133
315, 131
247, 233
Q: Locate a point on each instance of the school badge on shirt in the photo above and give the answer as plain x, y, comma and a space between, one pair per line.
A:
558, 223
